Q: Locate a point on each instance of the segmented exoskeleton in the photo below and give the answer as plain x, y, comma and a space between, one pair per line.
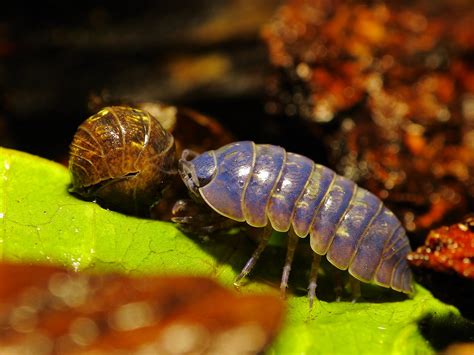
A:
265, 186
123, 158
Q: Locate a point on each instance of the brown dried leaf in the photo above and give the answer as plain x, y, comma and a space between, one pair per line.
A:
48, 310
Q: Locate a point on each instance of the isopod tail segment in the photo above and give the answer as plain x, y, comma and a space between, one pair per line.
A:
267, 187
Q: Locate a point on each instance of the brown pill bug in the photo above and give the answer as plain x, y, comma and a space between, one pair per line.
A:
269, 188
122, 158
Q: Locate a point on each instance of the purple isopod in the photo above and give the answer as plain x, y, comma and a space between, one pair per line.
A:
265, 186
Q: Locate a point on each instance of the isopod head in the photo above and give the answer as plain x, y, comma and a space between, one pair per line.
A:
122, 158
199, 172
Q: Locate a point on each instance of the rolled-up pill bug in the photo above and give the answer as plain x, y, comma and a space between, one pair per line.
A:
121, 157
267, 187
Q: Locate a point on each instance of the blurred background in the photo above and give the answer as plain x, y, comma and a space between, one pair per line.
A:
59, 63
381, 91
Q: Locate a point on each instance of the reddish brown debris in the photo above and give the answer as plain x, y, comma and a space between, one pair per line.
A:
397, 78
402, 56
47, 310
459, 349
448, 249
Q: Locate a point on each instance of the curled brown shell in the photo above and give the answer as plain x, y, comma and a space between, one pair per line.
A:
121, 157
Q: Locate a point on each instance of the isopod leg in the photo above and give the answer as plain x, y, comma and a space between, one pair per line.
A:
266, 234
292, 243
313, 277
355, 288
339, 284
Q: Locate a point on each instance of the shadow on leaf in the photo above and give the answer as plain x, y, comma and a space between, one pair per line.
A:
236, 248
441, 331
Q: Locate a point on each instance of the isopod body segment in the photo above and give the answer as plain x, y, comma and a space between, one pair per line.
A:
265, 186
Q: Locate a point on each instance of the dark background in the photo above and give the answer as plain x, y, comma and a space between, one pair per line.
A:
60, 63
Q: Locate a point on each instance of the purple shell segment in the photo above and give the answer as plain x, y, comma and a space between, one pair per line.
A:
234, 167
268, 165
407, 281
370, 248
293, 179
363, 208
399, 283
398, 275
319, 182
396, 249
328, 216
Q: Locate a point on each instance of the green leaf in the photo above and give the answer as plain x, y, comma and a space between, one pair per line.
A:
42, 222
